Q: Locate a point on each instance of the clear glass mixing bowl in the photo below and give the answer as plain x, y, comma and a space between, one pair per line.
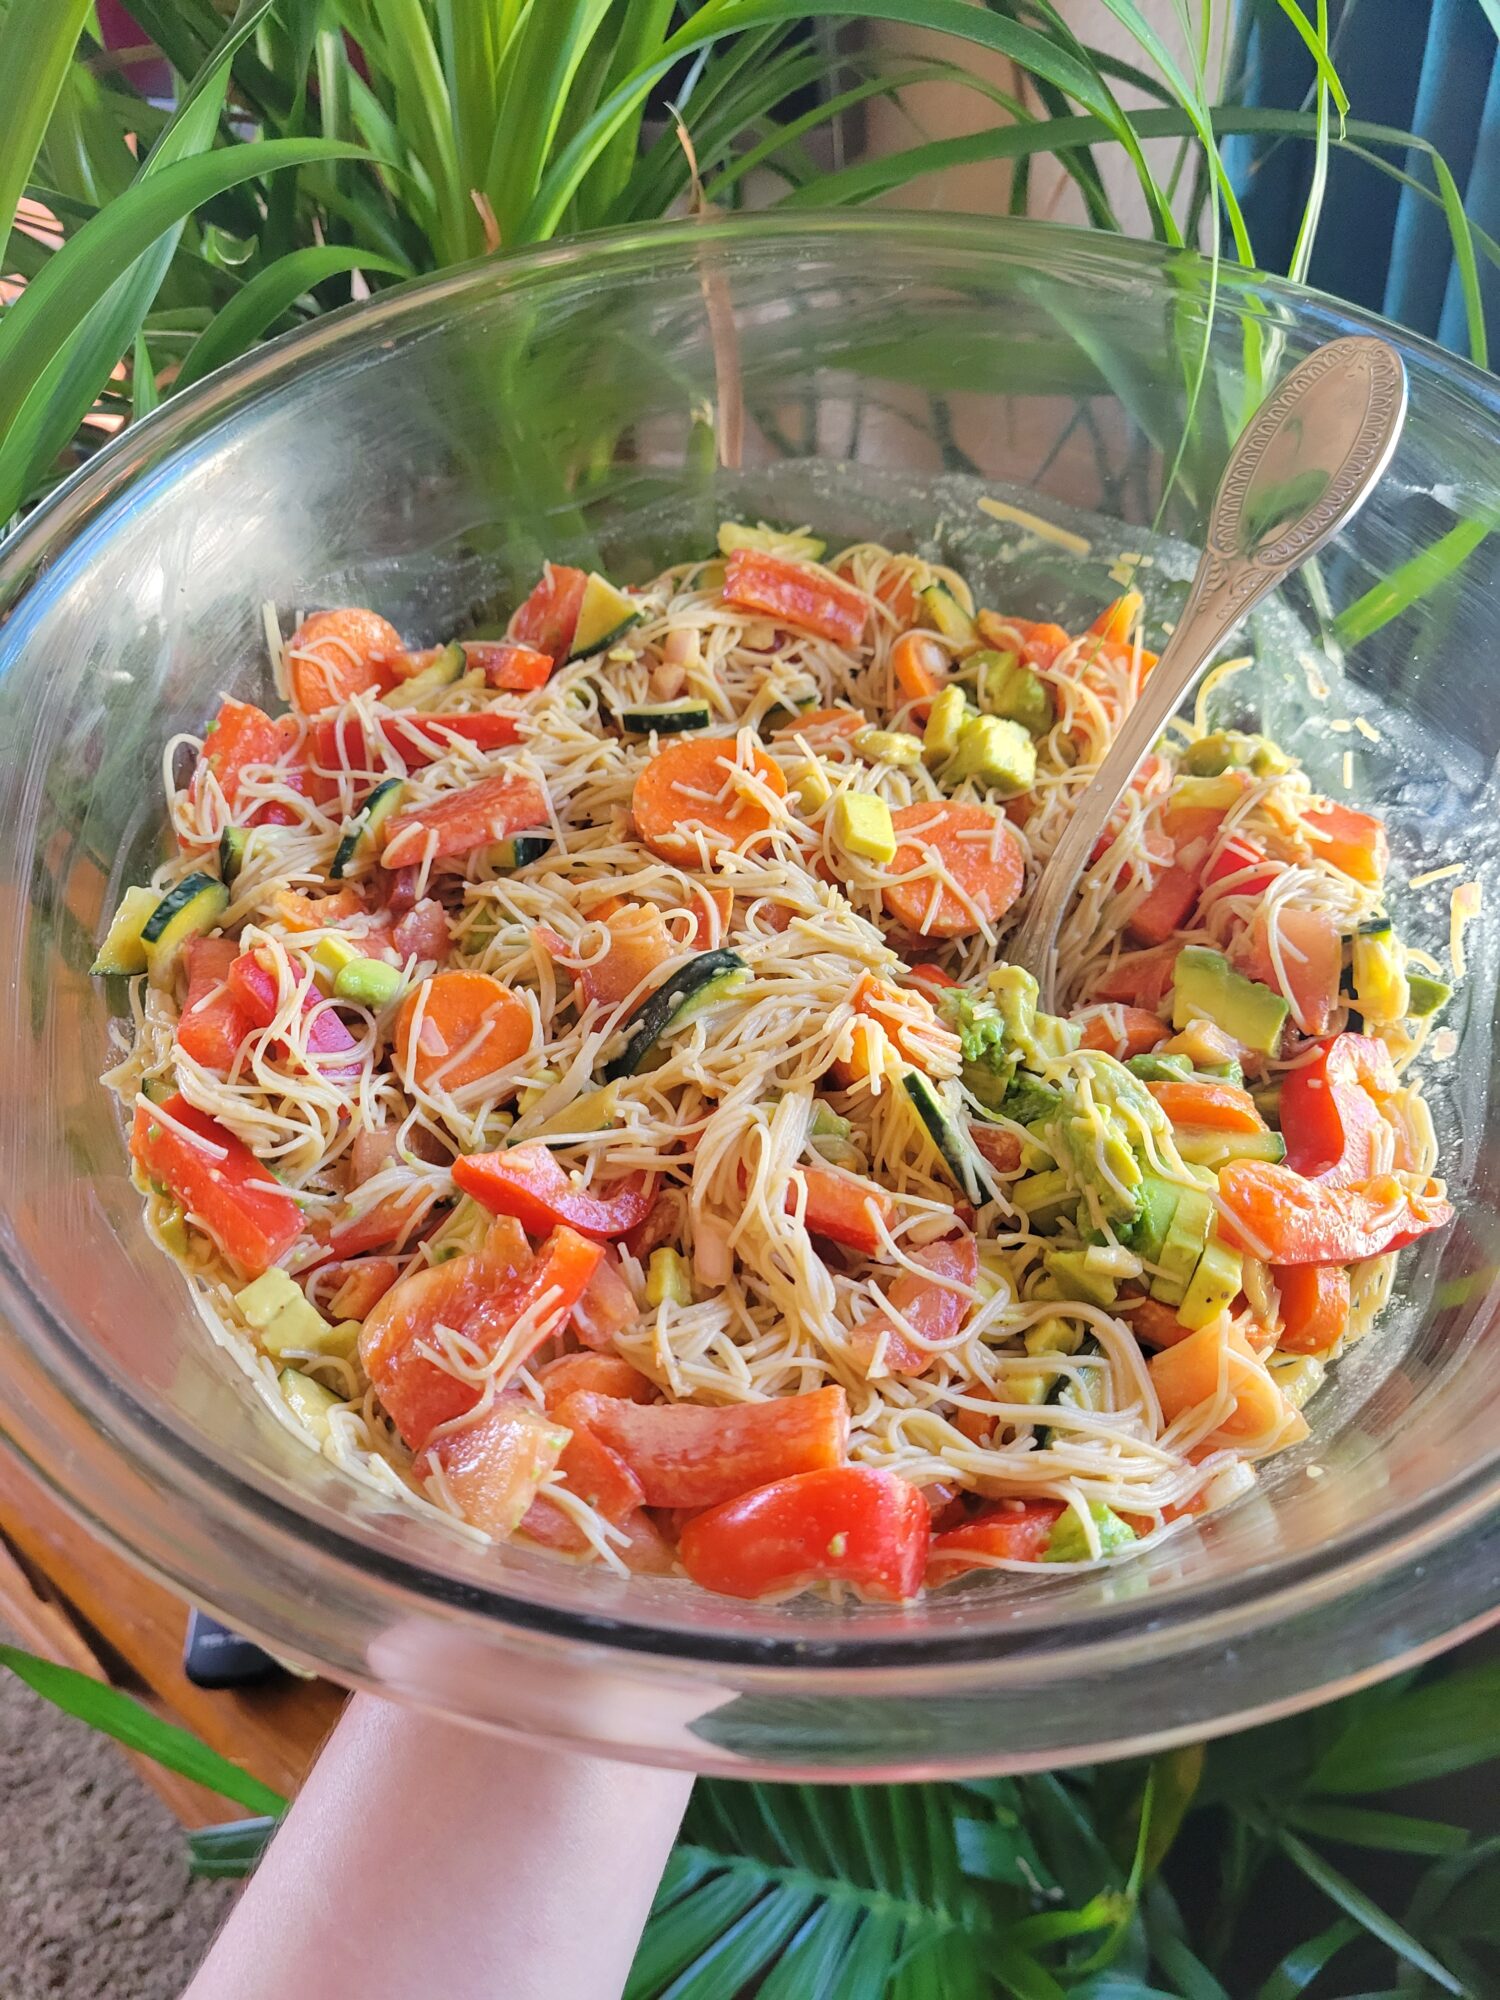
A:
421, 454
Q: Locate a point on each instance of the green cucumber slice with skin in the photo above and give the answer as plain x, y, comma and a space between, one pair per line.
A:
450, 666
604, 614
953, 1143
521, 850
193, 907
232, 844
1217, 1149
372, 815
1063, 1389
668, 718
682, 993
123, 951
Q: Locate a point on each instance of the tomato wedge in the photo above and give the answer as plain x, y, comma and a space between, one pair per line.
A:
842, 1207
600, 1374
850, 1523
1009, 1534
1314, 1306
549, 617
793, 592
212, 1023
688, 1455
931, 1310
1166, 905
526, 1182
1138, 979
1274, 1213
361, 1286
639, 944
223, 1188
1330, 1110
458, 822
494, 1466
1241, 867
607, 1305
482, 1296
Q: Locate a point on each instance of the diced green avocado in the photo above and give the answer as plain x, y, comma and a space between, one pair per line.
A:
1268, 1102
796, 545
267, 1295
1029, 1101
1158, 1204
602, 616
1183, 1245
1207, 794
308, 1400
862, 825
1425, 995
1037, 1037
368, 982
123, 949
1214, 1284
1069, 1542
1160, 1069
945, 718
888, 746
995, 753
1019, 694
1076, 1281
945, 614
1204, 1147
1206, 987
1042, 1196
1053, 1335
1382, 991
1052, 1037
1227, 749
1224, 1072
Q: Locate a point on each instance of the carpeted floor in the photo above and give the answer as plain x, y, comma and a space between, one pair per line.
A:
95, 1898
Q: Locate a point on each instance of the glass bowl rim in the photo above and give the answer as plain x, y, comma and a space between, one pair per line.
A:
1213, 1610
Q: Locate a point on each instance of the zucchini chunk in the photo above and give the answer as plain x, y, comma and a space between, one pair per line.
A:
124, 949
357, 845
947, 1134
603, 616
667, 718
711, 976
189, 910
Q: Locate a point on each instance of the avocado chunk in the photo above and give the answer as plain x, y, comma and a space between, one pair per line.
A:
1042, 1197
1069, 1543
1187, 1233
862, 825
1382, 992
1424, 995
1214, 1284
945, 718
1076, 1281
1158, 1204
1016, 693
1206, 987
995, 753
1029, 1101
309, 1401
1160, 1069
1227, 750
888, 746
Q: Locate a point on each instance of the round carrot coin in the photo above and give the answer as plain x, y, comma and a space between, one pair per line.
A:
695, 788
335, 654
470, 1027
972, 844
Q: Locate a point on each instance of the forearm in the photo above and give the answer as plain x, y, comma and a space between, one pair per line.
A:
421, 1856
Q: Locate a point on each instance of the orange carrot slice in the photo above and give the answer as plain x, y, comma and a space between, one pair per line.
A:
975, 846
466, 1011
698, 783
1217, 1107
1122, 1031
919, 664
335, 654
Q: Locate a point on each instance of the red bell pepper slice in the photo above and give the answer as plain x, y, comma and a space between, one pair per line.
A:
1241, 865
549, 617
843, 1208
517, 669
797, 595
594, 1472
341, 743
257, 991
850, 1523
688, 1455
934, 1311
1274, 1213
1330, 1110
1314, 1306
458, 822
493, 1467
1010, 1534
931, 976
219, 1182
483, 1296
526, 1182
213, 1023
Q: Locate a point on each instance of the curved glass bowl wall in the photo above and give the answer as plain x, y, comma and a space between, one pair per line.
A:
422, 455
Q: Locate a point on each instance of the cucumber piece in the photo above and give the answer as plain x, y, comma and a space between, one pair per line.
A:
521, 850
1065, 1393
594, 1111
124, 948
602, 616
1186, 1236
1069, 1543
1214, 1284
948, 1135
358, 843
1426, 995
711, 976
450, 666
232, 844
946, 615
666, 718
796, 545
1205, 1148
668, 1277
193, 907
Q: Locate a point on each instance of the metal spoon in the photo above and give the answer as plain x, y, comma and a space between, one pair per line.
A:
1304, 465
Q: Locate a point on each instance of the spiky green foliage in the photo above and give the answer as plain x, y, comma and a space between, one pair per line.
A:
325, 147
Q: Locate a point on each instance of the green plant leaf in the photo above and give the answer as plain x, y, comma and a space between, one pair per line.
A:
1361, 1826
37, 40
267, 296
1304, 1962
1435, 1727
78, 277
115, 1714
1356, 1904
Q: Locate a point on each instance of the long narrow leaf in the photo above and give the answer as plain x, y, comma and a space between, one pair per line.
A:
267, 296
1304, 1962
1356, 1904
37, 40
115, 1714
